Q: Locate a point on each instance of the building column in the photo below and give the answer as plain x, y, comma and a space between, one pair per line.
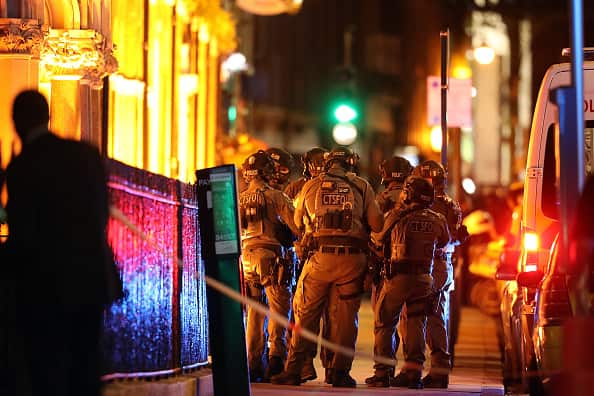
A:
20, 42
73, 64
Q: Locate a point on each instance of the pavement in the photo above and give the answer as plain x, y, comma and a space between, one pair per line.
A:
477, 368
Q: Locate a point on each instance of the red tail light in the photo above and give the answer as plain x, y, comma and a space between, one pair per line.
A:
531, 243
554, 304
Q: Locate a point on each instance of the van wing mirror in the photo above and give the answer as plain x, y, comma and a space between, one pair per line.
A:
508, 264
529, 279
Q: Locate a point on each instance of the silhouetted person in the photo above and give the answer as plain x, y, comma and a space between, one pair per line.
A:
57, 253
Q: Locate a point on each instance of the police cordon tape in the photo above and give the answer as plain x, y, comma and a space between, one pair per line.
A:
264, 310
261, 308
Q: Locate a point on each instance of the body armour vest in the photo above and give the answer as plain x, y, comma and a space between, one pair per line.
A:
252, 209
333, 208
416, 236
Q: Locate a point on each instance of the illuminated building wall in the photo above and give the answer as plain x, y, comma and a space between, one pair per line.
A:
164, 99
160, 111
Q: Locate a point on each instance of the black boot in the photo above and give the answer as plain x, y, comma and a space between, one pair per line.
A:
256, 376
286, 378
407, 379
308, 372
378, 381
275, 366
342, 379
436, 381
328, 375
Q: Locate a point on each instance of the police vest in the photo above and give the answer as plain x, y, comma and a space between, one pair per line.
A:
414, 237
252, 212
333, 208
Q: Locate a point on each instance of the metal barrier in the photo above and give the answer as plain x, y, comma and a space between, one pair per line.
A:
160, 327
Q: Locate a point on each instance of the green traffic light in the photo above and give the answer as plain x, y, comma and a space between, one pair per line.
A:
232, 113
345, 113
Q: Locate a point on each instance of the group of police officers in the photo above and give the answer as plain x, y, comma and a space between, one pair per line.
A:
310, 247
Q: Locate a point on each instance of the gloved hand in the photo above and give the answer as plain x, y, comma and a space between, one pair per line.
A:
462, 234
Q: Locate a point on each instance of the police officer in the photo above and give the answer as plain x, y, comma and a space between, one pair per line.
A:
313, 166
393, 172
263, 212
283, 164
418, 232
438, 323
336, 208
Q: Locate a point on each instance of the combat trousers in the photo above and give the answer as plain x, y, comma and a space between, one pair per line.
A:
438, 322
321, 273
259, 330
412, 290
331, 327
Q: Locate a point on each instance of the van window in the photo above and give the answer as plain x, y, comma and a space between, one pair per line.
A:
550, 197
550, 200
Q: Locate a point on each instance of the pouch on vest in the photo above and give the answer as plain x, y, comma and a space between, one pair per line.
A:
398, 242
252, 209
334, 206
267, 271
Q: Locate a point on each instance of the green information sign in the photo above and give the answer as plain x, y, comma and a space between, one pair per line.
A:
223, 198
220, 241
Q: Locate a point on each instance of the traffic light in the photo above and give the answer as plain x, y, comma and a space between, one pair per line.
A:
344, 106
345, 112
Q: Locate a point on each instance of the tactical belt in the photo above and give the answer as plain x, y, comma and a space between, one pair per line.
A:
340, 249
409, 268
341, 241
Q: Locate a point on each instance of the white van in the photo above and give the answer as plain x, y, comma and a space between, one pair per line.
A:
540, 220
540, 224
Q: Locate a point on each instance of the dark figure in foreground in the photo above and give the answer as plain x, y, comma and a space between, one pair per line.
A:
57, 254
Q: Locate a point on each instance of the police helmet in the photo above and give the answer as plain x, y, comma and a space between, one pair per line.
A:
283, 162
313, 162
432, 170
394, 169
258, 164
343, 155
418, 190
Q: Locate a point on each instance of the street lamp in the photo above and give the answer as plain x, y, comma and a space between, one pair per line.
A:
484, 54
435, 138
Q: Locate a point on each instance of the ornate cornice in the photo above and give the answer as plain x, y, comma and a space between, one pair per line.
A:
219, 22
21, 36
83, 53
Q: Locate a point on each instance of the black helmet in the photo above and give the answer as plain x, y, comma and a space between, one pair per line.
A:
344, 155
394, 169
432, 170
313, 162
418, 190
283, 162
258, 164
